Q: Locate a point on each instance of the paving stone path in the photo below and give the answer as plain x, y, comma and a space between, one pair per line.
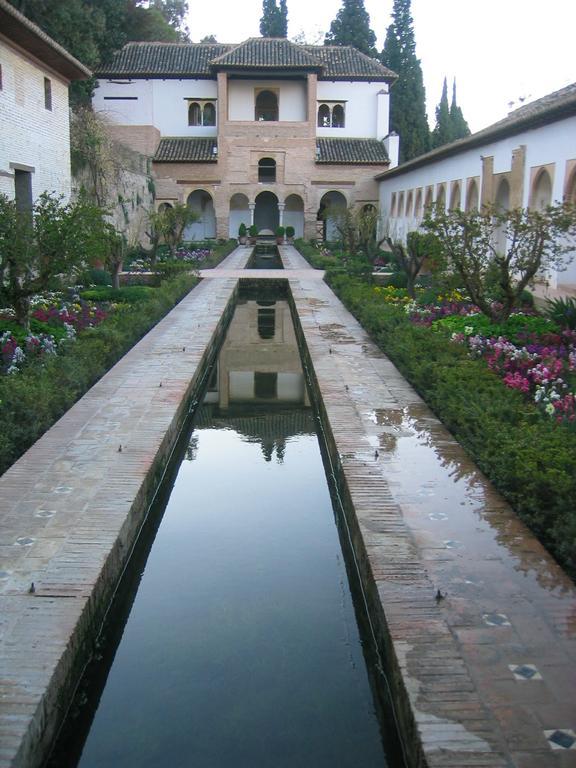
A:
488, 668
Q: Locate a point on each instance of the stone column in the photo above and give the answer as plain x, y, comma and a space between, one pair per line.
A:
252, 207
281, 207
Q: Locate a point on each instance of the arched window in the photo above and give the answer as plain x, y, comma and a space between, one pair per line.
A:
209, 114
428, 200
400, 211
441, 198
409, 201
472, 196
455, 197
541, 196
266, 106
418, 204
267, 170
393, 204
323, 116
570, 196
194, 114
338, 116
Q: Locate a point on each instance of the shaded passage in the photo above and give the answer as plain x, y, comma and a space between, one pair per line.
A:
241, 647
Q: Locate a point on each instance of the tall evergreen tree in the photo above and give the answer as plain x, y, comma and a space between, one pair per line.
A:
407, 96
458, 123
442, 133
274, 21
352, 27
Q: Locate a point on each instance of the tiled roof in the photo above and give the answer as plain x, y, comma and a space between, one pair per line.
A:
351, 151
548, 109
163, 60
15, 26
267, 53
343, 62
186, 150
202, 60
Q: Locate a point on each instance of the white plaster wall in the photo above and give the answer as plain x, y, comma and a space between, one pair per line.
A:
549, 144
125, 102
161, 103
30, 134
292, 99
361, 109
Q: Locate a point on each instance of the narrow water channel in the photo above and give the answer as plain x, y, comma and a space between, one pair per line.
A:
239, 645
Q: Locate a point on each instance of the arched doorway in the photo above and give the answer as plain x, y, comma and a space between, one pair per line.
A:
239, 213
294, 214
570, 196
205, 227
441, 198
541, 196
330, 204
455, 197
266, 214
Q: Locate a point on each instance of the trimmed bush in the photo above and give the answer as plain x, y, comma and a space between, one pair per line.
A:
129, 294
530, 459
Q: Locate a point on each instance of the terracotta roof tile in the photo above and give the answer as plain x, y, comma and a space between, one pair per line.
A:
351, 151
202, 60
187, 150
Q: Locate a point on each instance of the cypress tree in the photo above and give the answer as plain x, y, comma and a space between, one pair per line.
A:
274, 21
442, 133
352, 27
407, 96
458, 124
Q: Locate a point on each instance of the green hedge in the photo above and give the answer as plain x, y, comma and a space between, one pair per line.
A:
32, 400
530, 459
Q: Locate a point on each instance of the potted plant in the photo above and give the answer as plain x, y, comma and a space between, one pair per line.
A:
280, 235
290, 232
253, 232
242, 230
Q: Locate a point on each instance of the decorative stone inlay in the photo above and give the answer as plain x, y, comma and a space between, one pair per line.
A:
525, 671
496, 620
561, 738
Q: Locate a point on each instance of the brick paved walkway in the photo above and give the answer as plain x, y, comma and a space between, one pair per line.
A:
489, 671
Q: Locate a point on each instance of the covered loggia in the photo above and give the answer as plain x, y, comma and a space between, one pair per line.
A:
266, 213
294, 214
239, 213
328, 213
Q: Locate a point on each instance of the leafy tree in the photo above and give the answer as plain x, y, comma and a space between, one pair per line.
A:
352, 27
42, 246
469, 245
442, 133
407, 97
458, 124
411, 257
170, 223
209, 39
274, 21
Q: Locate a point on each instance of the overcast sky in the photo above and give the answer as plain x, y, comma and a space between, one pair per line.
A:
500, 51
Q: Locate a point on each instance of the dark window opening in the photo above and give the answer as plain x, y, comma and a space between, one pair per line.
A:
338, 116
324, 116
266, 106
23, 190
47, 93
267, 169
266, 323
209, 115
265, 386
194, 114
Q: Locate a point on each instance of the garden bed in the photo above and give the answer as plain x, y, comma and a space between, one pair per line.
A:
512, 410
75, 340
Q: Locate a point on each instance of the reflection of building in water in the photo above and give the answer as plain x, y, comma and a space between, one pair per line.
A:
259, 361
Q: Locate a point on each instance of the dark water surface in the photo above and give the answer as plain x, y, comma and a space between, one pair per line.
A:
241, 648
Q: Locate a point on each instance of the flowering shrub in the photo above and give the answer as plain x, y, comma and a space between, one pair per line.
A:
542, 370
53, 322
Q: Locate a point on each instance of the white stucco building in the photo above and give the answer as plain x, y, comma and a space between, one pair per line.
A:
34, 119
265, 132
528, 159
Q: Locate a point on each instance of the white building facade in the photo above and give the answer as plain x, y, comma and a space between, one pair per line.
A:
266, 132
34, 118
525, 160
